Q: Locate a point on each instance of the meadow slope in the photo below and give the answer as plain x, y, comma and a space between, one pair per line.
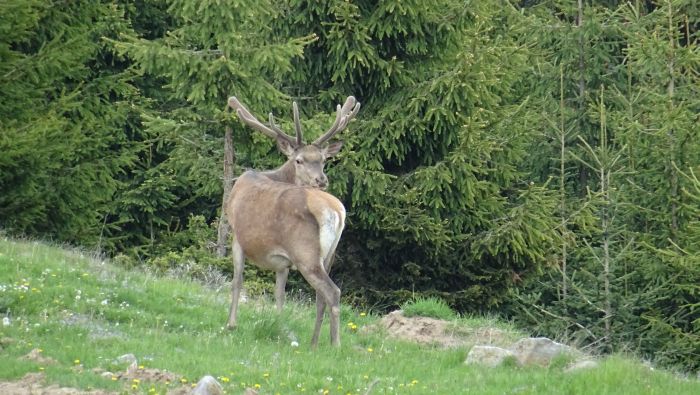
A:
68, 316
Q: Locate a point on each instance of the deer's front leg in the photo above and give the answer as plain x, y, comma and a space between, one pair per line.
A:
280, 283
237, 283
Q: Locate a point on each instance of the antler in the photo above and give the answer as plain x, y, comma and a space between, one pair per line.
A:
297, 124
343, 116
273, 131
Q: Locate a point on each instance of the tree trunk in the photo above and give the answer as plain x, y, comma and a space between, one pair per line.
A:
224, 228
583, 171
606, 260
671, 133
562, 184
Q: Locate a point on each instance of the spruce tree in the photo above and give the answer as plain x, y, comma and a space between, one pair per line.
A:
430, 175
618, 267
66, 105
207, 51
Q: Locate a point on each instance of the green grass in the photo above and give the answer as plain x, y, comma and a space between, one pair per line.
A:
84, 314
428, 307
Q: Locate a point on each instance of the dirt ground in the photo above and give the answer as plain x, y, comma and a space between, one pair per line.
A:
35, 383
425, 330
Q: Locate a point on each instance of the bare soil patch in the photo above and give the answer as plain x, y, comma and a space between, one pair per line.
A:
426, 330
33, 384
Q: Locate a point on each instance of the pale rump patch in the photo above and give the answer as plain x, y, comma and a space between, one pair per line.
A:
329, 231
330, 216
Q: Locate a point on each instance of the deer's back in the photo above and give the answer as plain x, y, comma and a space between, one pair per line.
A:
267, 215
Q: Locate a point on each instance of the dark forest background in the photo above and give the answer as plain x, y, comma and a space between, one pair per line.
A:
537, 160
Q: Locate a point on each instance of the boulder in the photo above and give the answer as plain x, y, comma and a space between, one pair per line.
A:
539, 351
488, 355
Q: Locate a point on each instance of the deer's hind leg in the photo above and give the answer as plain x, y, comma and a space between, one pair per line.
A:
327, 294
320, 311
237, 283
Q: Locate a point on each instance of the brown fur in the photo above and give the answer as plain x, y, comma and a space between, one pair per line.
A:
277, 226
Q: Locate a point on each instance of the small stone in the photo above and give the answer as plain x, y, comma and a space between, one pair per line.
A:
208, 385
132, 368
488, 355
127, 358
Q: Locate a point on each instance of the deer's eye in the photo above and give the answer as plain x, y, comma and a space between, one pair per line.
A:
299, 161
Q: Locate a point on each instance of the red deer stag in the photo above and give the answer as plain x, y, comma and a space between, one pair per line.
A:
281, 219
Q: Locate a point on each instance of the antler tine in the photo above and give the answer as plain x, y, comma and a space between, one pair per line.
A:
297, 124
250, 120
343, 116
280, 133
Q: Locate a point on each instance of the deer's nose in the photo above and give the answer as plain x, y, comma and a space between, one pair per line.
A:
322, 181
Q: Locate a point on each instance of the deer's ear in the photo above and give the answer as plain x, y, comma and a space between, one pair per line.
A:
332, 149
285, 147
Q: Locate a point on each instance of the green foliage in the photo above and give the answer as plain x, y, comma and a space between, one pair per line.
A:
67, 118
437, 202
190, 63
629, 135
539, 162
428, 307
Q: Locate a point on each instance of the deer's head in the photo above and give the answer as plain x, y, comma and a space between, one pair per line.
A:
305, 162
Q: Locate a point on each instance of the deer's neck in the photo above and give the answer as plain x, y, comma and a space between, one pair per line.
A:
286, 173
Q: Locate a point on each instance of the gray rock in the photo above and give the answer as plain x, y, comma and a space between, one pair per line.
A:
488, 355
208, 385
539, 351
581, 365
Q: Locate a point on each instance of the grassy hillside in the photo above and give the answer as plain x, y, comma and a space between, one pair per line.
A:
83, 313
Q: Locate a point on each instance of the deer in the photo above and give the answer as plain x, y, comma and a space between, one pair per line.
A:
283, 219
